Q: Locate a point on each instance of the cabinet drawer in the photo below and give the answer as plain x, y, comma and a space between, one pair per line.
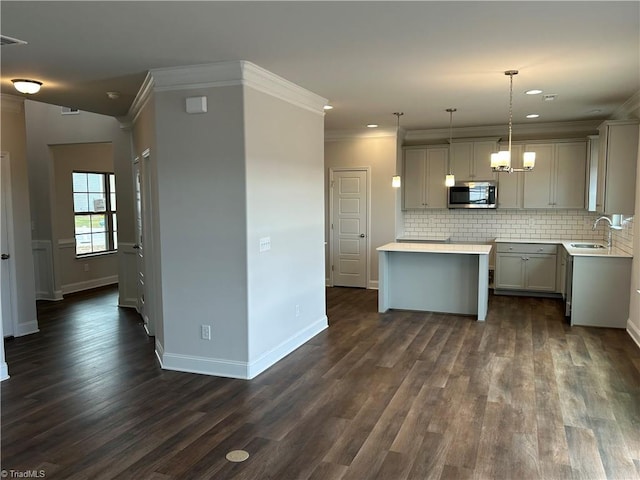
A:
527, 248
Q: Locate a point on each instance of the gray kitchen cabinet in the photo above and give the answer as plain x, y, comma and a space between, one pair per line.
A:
526, 267
511, 185
600, 291
471, 159
617, 158
559, 177
423, 178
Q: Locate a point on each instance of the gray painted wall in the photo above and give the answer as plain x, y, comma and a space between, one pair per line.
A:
12, 141
46, 126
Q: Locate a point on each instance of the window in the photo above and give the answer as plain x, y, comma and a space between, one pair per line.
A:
94, 208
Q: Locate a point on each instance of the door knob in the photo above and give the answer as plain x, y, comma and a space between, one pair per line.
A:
136, 247
5, 256
362, 235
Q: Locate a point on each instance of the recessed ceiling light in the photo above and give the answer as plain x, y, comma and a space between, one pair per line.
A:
549, 97
533, 115
328, 107
26, 86
113, 95
372, 125
534, 91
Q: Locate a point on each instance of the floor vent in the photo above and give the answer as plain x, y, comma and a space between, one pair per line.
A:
4, 40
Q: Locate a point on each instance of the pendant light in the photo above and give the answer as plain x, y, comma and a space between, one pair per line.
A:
450, 179
395, 180
501, 161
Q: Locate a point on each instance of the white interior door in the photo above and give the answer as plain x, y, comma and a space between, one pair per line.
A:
8, 297
349, 228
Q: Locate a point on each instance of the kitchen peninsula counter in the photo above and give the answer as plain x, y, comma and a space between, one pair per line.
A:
448, 278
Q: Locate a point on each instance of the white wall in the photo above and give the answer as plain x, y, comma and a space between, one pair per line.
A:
13, 142
285, 201
46, 126
379, 154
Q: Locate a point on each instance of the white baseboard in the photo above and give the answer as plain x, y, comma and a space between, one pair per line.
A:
89, 284
373, 285
4, 371
634, 332
218, 367
28, 328
128, 302
236, 369
276, 354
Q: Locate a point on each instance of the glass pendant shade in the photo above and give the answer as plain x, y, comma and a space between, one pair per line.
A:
449, 180
529, 160
501, 161
395, 181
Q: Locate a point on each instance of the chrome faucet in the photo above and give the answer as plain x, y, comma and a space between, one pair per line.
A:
595, 224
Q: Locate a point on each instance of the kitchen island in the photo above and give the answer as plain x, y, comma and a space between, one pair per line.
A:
448, 278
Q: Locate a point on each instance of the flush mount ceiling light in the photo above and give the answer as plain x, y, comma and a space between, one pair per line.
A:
450, 179
395, 180
26, 86
372, 125
533, 115
501, 161
534, 91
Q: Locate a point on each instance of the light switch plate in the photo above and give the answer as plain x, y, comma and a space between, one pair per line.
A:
265, 244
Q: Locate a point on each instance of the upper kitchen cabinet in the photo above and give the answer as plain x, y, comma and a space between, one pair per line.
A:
511, 185
423, 178
617, 158
558, 179
470, 159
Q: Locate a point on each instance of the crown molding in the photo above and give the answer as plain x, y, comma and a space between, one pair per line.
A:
629, 109
521, 131
232, 73
337, 135
138, 104
11, 103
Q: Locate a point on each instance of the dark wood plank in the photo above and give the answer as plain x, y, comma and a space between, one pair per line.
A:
400, 395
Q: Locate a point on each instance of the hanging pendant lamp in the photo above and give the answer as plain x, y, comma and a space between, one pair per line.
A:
450, 179
396, 182
501, 161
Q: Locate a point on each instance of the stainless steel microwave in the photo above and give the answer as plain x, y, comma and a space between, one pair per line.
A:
472, 195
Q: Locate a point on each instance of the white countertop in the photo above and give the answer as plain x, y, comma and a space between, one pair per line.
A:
461, 248
576, 252
593, 252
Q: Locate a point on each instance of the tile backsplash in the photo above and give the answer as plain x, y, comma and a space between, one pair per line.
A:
484, 226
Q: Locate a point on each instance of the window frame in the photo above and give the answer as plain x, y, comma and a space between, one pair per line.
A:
109, 213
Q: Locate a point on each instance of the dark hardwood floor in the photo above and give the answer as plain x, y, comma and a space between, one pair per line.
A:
402, 395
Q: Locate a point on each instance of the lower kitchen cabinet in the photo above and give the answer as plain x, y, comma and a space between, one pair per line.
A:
600, 291
526, 267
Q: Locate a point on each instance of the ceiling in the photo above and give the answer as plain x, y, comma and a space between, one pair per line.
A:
369, 59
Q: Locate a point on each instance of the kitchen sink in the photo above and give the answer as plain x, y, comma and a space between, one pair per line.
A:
587, 245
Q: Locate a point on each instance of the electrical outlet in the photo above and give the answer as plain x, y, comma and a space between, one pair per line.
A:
205, 332
297, 310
